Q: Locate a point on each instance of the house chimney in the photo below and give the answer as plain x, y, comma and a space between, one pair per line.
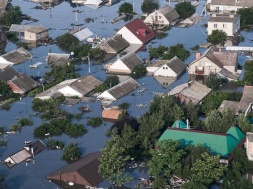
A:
198, 55
187, 124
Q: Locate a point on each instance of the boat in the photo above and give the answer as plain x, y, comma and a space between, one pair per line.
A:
85, 109
33, 66
27, 142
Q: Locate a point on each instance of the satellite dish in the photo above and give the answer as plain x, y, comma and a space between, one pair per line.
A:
71, 184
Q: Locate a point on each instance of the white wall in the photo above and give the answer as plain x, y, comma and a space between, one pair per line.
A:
157, 18
106, 95
223, 26
118, 66
68, 91
165, 71
128, 36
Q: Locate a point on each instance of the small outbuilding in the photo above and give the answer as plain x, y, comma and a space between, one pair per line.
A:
81, 33
35, 33
112, 114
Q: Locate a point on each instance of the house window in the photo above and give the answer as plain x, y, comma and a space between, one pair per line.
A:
224, 25
215, 25
207, 63
164, 68
160, 17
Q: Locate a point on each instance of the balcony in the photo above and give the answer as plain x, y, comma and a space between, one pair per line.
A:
199, 70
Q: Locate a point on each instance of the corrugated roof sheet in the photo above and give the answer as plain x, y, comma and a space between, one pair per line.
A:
85, 84
117, 43
8, 73
17, 56
246, 99
82, 34
223, 18
218, 143
231, 75
87, 167
196, 91
170, 13
24, 82
176, 65
123, 88
131, 60
19, 28
57, 58
36, 29
227, 104
227, 58
179, 124
21, 156
241, 3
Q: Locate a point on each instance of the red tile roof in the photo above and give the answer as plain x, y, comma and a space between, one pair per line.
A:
140, 30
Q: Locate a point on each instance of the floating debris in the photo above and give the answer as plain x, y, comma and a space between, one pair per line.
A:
85, 109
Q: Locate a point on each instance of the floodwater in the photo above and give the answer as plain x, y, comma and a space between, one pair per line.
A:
59, 19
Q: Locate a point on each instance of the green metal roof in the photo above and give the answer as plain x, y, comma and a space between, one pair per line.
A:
179, 124
218, 143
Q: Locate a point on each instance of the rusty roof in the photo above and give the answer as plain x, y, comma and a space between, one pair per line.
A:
111, 113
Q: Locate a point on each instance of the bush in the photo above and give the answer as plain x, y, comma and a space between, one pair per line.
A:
126, 8
124, 105
149, 6
55, 144
109, 82
95, 121
217, 37
185, 9
139, 72
71, 152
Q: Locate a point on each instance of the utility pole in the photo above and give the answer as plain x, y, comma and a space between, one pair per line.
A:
89, 62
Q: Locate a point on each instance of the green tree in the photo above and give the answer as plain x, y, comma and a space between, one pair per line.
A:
246, 15
244, 124
109, 82
193, 185
149, 6
213, 81
248, 74
126, 8
164, 161
113, 163
95, 121
219, 121
13, 16
185, 9
207, 169
217, 37
97, 54
71, 152
67, 41
139, 72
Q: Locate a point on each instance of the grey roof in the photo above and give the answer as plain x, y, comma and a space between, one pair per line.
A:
131, 60
228, 74
222, 18
227, 104
36, 29
241, 3
81, 33
196, 91
176, 65
193, 90
57, 58
87, 167
117, 43
246, 99
170, 13
123, 88
8, 73
19, 28
38, 146
17, 56
85, 84
227, 58
24, 82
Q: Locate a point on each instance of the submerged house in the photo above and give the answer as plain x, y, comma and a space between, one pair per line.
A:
119, 90
215, 61
112, 114
165, 16
125, 64
28, 152
35, 33
226, 6
192, 91
81, 173
113, 46
230, 24
80, 87
219, 143
58, 58
81, 33
136, 32
8, 73
22, 84
173, 68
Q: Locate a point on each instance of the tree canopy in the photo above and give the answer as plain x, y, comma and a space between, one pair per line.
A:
13, 16
149, 6
126, 8
71, 152
246, 15
213, 81
185, 9
139, 72
217, 37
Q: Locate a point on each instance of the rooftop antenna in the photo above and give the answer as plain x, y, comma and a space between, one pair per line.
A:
89, 62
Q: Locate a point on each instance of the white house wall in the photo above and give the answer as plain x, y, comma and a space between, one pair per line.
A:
156, 18
231, 68
206, 64
68, 91
106, 95
151, 69
227, 27
119, 67
129, 36
224, 8
165, 71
